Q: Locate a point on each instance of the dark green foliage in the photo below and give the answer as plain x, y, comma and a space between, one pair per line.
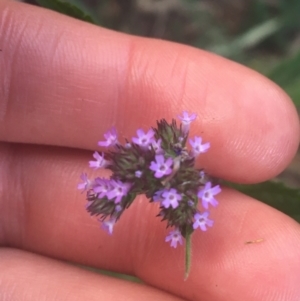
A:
66, 8
287, 75
274, 194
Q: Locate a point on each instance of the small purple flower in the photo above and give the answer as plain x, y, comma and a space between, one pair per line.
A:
158, 196
198, 147
111, 138
157, 146
202, 221
161, 167
191, 203
86, 183
118, 208
101, 187
202, 175
118, 190
207, 195
108, 225
144, 139
99, 162
175, 237
186, 120
138, 173
171, 198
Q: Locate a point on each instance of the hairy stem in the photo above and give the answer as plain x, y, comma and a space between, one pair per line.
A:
188, 256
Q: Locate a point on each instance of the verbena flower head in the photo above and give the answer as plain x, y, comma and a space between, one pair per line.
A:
156, 163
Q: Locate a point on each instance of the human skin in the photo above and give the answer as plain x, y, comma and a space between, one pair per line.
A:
63, 83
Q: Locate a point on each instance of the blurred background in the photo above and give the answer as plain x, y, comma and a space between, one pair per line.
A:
261, 34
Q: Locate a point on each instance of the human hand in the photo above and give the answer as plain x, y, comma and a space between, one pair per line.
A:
63, 84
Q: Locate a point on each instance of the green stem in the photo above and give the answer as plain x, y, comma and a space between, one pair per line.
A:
188, 256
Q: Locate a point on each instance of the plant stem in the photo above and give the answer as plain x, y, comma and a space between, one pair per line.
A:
187, 256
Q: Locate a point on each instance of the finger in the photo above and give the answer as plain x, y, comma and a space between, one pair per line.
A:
65, 82
42, 212
49, 279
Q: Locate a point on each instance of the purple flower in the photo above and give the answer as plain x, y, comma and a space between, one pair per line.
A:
99, 161
186, 120
102, 187
86, 183
207, 195
118, 208
191, 203
158, 196
118, 190
144, 139
202, 175
198, 147
108, 225
160, 166
138, 173
157, 146
175, 238
171, 198
111, 138
202, 221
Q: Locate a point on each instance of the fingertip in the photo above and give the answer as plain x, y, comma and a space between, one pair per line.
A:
254, 132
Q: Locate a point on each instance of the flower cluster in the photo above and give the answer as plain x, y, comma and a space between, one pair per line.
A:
158, 164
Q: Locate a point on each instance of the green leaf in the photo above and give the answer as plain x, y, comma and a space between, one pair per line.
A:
110, 273
286, 71
66, 8
249, 39
287, 75
119, 275
293, 90
275, 194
